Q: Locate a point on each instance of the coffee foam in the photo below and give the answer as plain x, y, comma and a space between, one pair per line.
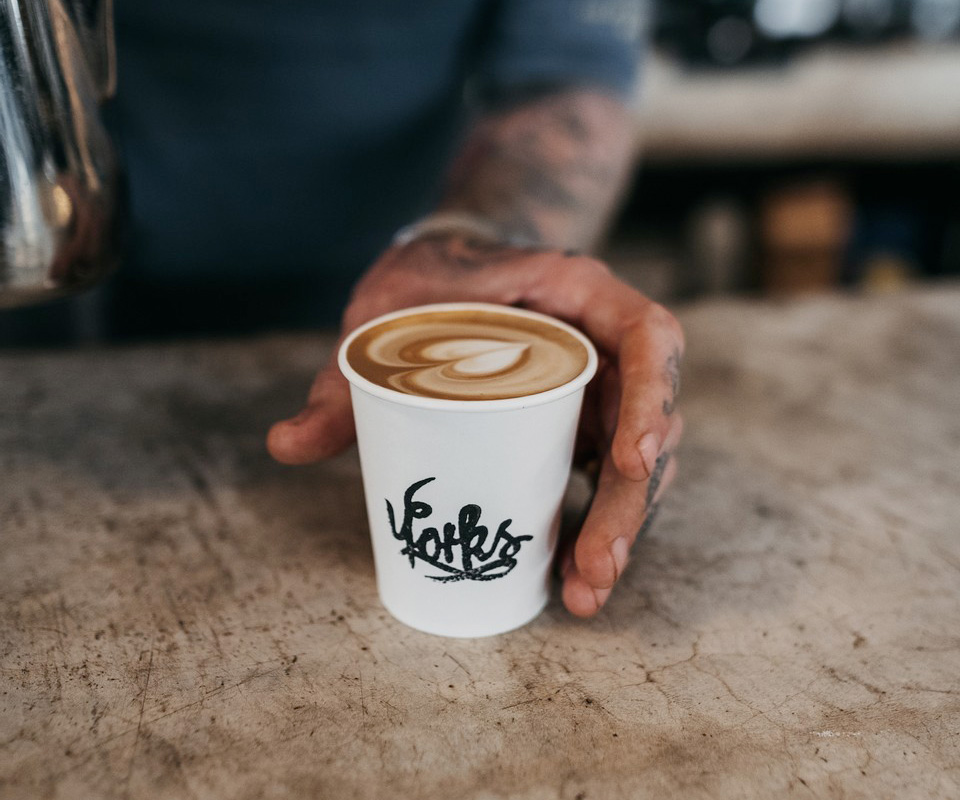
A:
467, 355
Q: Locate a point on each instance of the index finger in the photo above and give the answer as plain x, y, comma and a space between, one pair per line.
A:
649, 366
644, 337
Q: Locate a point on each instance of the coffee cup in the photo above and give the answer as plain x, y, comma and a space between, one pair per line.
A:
466, 415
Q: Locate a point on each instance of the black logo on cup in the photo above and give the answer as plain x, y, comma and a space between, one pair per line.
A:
463, 542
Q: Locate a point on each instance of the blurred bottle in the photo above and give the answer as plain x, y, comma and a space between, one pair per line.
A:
796, 19
732, 33
886, 247
935, 19
718, 244
805, 231
867, 20
712, 33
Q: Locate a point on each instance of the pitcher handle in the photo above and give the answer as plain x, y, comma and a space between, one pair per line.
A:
95, 28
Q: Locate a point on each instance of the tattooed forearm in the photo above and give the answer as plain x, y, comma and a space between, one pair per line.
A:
548, 171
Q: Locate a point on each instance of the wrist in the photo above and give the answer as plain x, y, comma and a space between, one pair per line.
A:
464, 223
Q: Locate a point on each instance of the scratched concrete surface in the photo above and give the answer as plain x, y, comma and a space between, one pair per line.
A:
182, 618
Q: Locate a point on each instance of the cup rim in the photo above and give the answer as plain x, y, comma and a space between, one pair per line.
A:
357, 380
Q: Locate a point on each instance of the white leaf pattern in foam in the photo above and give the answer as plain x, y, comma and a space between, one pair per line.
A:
489, 363
476, 357
454, 349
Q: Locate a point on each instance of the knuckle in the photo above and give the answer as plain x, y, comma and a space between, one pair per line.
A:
661, 317
593, 268
581, 268
389, 284
580, 278
355, 314
374, 300
676, 330
623, 453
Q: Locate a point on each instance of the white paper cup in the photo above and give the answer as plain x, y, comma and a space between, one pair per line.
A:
454, 466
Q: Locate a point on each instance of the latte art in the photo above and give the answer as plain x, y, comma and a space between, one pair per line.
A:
475, 357
467, 355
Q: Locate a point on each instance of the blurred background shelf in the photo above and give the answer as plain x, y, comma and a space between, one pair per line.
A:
790, 146
894, 101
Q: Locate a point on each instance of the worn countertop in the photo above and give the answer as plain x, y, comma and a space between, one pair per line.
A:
183, 618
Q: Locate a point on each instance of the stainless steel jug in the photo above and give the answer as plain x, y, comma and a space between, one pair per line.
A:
59, 176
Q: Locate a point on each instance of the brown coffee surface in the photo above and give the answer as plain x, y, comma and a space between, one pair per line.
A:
467, 355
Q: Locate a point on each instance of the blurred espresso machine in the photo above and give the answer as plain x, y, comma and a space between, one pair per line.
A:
733, 33
60, 206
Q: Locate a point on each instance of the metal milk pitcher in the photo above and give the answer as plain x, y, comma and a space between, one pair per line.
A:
59, 176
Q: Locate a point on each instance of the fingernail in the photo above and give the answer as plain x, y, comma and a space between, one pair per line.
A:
649, 447
620, 550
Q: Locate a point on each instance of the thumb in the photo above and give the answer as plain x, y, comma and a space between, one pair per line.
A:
323, 428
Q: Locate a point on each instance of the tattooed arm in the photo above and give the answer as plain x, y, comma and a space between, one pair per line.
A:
546, 172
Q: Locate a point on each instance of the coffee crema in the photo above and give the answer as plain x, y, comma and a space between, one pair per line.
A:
469, 354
